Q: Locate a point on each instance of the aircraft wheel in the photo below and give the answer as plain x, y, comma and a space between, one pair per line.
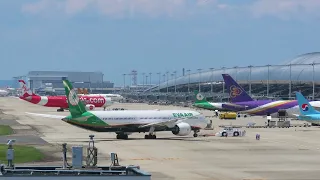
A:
125, 136
146, 136
195, 135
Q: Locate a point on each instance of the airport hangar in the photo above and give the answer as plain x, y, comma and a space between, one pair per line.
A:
272, 81
50, 82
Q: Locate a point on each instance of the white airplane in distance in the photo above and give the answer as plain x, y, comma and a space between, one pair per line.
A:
123, 123
114, 97
3, 92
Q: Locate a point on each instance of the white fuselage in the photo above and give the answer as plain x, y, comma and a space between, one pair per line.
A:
292, 112
114, 97
3, 92
114, 118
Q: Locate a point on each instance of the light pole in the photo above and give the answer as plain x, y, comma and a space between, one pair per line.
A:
159, 73
313, 86
236, 67
250, 79
147, 81
199, 79
172, 76
290, 65
167, 81
124, 81
189, 80
175, 78
223, 69
211, 79
150, 77
268, 80
143, 80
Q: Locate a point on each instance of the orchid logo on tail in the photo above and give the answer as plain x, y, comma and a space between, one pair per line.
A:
200, 97
73, 97
304, 107
235, 91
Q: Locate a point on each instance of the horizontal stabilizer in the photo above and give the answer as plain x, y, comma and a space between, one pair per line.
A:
46, 115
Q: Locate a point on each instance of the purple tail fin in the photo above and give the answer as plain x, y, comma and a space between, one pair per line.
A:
237, 93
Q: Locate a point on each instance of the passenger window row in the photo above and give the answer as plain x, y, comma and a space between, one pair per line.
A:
131, 118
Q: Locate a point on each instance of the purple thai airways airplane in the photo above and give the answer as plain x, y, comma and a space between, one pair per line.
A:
242, 102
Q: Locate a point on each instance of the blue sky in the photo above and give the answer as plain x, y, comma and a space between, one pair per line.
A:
116, 36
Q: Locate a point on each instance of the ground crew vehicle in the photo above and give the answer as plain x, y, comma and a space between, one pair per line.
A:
228, 115
230, 131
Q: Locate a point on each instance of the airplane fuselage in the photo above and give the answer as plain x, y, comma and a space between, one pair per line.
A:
113, 97
61, 101
258, 107
130, 120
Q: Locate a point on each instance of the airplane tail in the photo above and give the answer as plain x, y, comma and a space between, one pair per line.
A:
199, 97
25, 90
304, 105
237, 93
76, 107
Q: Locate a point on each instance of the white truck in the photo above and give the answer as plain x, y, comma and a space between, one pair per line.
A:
230, 131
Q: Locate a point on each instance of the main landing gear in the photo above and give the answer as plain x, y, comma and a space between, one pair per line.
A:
60, 110
195, 134
122, 136
151, 135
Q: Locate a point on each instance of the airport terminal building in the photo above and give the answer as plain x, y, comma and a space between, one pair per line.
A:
40, 80
299, 74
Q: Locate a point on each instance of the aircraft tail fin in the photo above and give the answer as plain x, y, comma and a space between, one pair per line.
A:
237, 93
76, 107
304, 105
26, 92
199, 97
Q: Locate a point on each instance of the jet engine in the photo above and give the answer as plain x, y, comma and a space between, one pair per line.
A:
90, 107
181, 129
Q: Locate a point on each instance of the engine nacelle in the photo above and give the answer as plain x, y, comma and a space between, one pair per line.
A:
90, 107
182, 129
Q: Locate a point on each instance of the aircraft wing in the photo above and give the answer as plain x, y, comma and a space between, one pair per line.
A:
47, 115
166, 123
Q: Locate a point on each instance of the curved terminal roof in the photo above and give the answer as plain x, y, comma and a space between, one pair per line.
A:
301, 70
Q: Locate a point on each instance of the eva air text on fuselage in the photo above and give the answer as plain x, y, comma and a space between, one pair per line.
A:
181, 115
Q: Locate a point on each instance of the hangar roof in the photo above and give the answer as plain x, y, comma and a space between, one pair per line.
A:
301, 70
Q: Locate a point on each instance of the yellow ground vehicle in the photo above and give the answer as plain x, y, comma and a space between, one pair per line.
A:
228, 115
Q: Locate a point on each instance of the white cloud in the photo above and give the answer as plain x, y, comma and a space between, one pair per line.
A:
123, 8
285, 9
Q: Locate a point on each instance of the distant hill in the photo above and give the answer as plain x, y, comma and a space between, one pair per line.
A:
10, 83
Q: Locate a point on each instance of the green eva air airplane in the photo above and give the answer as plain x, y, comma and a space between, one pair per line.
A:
123, 123
202, 103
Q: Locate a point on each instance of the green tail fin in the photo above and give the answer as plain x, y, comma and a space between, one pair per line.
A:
76, 107
199, 97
